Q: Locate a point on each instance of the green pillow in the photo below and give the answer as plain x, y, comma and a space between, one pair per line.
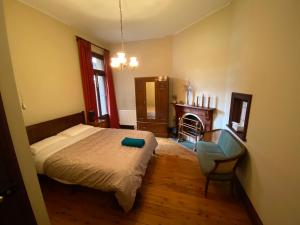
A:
133, 142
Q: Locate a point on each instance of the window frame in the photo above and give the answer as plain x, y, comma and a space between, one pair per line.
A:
99, 73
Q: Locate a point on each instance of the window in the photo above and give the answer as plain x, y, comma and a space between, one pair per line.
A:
99, 81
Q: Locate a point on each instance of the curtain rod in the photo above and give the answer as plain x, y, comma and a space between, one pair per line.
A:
77, 37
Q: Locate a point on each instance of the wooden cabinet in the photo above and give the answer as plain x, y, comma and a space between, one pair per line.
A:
152, 104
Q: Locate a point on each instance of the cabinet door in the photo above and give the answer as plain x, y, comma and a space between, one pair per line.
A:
140, 99
162, 100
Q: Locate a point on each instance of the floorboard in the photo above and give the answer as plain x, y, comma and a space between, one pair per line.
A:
171, 194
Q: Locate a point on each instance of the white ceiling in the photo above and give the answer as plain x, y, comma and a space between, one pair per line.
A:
143, 19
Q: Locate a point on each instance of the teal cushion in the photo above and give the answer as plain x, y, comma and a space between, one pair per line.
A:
229, 145
207, 152
133, 142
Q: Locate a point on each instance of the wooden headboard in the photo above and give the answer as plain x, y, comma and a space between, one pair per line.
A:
49, 128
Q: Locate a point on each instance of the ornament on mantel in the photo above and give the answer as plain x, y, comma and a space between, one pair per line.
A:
189, 93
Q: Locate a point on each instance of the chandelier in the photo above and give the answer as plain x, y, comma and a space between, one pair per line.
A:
120, 61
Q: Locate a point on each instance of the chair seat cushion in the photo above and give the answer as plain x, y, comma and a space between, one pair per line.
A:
207, 152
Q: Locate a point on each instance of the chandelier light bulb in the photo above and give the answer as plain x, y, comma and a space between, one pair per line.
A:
120, 61
133, 62
122, 58
115, 62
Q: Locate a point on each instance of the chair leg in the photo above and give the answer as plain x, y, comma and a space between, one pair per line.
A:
206, 186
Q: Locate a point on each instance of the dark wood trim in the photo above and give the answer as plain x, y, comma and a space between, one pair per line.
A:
235, 110
129, 127
99, 73
196, 107
97, 55
40, 131
241, 194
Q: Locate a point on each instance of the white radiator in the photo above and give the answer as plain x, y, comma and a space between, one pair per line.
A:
127, 117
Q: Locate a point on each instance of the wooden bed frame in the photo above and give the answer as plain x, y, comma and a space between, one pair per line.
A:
40, 131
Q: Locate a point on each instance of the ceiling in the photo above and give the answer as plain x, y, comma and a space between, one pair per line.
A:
143, 19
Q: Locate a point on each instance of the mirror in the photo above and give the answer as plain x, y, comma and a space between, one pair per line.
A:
150, 99
239, 114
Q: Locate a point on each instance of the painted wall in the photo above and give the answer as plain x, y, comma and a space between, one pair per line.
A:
154, 58
250, 47
264, 61
45, 62
17, 129
200, 55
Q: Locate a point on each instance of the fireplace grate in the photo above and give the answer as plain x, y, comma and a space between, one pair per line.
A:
191, 128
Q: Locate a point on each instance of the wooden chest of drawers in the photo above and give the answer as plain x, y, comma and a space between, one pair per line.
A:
159, 129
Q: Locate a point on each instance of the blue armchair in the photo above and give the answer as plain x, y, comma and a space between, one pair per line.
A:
218, 155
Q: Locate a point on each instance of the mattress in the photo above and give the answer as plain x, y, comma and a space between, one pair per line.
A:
95, 158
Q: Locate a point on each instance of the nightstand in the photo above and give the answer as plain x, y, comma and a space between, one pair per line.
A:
99, 123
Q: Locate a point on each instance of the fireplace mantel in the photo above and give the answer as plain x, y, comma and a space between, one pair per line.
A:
204, 113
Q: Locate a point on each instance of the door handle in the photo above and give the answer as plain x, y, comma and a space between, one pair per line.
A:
7, 190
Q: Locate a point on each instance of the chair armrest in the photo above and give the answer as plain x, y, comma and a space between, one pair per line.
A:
226, 165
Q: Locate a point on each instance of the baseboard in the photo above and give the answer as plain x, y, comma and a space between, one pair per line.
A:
241, 193
130, 127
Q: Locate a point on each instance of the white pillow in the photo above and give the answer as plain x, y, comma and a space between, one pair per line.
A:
76, 130
38, 146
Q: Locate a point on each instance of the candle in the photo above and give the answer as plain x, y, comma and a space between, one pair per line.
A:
202, 103
208, 101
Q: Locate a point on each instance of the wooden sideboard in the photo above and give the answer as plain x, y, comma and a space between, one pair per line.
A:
204, 113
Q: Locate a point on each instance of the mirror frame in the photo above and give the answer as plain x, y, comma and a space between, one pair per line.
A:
154, 96
237, 100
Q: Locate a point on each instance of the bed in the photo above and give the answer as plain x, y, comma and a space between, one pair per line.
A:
67, 150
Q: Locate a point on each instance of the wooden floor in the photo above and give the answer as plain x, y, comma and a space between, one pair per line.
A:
171, 194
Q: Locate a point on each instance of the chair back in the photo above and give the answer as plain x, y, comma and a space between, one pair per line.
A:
230, 146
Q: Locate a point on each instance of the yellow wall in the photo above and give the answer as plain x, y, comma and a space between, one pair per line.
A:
264, 61
200, 55
45, 62
17, 129
154, 58
250, 47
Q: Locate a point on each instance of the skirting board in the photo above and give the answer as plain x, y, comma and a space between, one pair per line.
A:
254, 217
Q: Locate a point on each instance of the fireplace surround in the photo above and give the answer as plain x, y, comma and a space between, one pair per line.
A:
205, 114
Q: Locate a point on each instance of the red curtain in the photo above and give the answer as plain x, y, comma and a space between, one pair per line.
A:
87, 76
110, 93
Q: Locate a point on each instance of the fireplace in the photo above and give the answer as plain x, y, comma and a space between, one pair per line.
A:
192, 122
203, 113
191, 128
